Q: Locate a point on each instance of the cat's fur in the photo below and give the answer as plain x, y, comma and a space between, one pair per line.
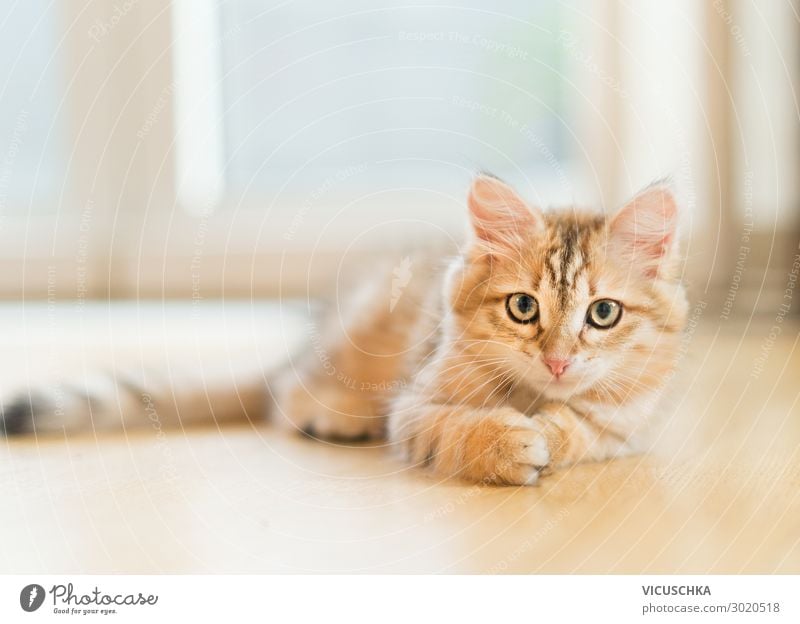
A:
440, 366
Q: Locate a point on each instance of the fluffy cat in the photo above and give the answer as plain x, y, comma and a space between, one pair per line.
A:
545, 342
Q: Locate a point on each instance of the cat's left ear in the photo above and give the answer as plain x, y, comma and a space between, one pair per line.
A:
644, 231
499, 215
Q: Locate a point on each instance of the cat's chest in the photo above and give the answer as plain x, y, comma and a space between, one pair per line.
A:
530, 401
627, 420
527, 400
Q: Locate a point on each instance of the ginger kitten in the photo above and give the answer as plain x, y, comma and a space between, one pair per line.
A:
543, 344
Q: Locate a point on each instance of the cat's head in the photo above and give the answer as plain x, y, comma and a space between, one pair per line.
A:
571, 302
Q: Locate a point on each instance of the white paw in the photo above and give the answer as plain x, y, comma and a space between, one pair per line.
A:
527, 448
535, 451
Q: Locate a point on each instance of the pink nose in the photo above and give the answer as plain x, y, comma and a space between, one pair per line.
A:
556, 365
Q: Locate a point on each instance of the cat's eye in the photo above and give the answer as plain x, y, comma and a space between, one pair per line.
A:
604, 313
522, 308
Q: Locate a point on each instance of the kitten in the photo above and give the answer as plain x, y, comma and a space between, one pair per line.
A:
543, 344
546, 342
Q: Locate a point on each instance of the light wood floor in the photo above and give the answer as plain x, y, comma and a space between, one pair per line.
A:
719, 493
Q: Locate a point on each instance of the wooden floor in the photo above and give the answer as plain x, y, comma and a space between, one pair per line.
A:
720, 491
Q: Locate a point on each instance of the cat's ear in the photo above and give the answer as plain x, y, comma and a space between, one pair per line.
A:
644, 231
498, 214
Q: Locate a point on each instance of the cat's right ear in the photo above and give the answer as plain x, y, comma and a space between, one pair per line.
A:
498, 214
644, 231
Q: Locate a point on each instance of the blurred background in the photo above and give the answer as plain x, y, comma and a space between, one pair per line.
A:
200, 149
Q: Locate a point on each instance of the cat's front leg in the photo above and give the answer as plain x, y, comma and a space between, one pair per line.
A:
574, 437
484, 445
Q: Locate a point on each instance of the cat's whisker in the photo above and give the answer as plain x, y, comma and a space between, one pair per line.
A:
627, 381
469, 378
468, 364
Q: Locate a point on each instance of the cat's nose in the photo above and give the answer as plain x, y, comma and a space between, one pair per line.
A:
556, 365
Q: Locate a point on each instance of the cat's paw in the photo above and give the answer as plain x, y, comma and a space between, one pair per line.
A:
327, 414
501, 446
329, 424
522, 451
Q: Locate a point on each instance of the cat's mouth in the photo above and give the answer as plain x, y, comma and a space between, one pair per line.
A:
572, 382
568, 382
582, 375
570, 378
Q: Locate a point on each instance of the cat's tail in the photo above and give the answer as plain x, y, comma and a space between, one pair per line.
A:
117, 401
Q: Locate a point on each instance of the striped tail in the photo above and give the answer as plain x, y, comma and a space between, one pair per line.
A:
114, 401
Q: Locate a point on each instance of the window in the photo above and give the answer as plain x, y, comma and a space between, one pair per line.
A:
32, 158
207, 147
414, 95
